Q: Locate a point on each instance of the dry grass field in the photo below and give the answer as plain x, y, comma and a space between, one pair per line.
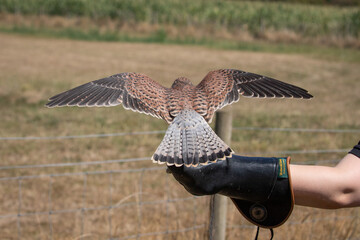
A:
33, 69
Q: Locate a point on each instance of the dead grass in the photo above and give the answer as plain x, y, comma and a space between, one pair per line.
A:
33, 69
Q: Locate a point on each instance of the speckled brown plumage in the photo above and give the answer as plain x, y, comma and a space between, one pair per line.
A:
140, 93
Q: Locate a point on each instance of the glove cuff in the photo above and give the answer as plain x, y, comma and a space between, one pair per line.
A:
277, 207
356, 150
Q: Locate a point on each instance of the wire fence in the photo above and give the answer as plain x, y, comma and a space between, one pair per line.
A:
101, 135
38, 206
126, 201
83, 209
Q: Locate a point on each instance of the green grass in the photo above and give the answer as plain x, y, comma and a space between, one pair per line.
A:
325, 32
160, 36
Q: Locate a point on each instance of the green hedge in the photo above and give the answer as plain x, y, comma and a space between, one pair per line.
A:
308, 20
317, 2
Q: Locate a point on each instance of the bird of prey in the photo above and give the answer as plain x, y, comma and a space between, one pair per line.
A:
189, 140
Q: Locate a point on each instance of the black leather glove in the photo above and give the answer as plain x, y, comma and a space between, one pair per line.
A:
259, 187
239, 177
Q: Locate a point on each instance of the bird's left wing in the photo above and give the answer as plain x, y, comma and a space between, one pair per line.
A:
135, 91
224, 86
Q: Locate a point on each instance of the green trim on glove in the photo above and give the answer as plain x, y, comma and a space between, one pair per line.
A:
282, 171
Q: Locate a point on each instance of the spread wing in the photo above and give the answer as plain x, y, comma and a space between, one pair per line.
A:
135, 91
224, 86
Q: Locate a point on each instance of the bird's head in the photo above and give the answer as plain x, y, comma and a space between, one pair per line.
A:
180, 83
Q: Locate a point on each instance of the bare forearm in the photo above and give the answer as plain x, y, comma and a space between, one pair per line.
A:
327, 187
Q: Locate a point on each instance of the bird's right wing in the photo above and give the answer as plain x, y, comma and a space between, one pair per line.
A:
135, 91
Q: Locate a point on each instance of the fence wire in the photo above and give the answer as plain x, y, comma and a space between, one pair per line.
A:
21, 213
309, 130
102, 135
72, 164
99, 135
194, 226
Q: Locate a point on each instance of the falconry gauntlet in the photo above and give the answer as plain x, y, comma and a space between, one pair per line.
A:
259, 187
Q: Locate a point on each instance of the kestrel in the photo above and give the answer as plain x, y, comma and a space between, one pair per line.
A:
187, 108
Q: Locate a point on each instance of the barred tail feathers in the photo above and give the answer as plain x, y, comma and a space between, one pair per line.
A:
190, 140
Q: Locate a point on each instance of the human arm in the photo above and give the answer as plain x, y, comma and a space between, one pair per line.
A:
328, 187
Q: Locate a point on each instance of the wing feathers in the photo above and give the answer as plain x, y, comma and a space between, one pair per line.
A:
135, 91
223, 87
268, 92
246, 91
94, 98
114, 98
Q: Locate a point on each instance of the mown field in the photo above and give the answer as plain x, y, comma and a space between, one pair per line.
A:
184, 21
33, 69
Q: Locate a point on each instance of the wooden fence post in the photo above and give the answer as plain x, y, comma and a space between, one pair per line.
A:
218, 203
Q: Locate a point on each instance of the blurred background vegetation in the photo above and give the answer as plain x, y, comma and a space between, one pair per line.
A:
219, 23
